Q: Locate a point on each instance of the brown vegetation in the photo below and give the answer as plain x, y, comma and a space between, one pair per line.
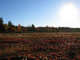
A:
38, 46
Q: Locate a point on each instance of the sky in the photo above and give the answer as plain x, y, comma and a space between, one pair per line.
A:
56, 13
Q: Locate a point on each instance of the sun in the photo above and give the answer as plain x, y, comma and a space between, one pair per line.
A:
68, 15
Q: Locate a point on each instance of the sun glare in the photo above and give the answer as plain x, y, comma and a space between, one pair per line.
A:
68, 16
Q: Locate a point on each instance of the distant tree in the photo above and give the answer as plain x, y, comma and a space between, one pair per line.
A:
10, 24
2, 28
54, 29
24, 29
47, 28
6, 27
28, 28
51, 30
11, 29
38, 29
33, 28
19, 28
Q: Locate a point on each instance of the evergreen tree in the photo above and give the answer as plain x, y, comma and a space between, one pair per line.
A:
2, 28
33, 28
10, 24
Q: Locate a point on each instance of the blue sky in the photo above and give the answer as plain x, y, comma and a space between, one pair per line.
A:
37, 12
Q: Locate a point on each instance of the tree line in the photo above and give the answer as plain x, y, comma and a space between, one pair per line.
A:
10, 28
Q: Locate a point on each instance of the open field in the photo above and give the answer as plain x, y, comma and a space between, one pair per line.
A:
40, 46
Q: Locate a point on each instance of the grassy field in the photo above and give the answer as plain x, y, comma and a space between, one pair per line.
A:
45, 46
